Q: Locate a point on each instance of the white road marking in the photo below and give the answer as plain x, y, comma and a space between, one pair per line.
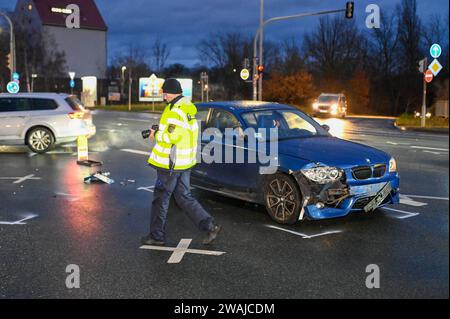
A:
19, 222
304, 236
427, 197
181, 250
430, 148
149, 189
71, 198
411, 202
20, 180
135, 120
136, 152
32, 154
405, 213
431, 152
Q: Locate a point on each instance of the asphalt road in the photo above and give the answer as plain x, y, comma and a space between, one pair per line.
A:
51, 219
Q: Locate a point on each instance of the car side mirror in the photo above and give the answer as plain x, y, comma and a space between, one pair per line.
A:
326, 127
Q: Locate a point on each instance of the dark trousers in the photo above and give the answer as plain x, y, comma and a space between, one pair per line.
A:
178, 185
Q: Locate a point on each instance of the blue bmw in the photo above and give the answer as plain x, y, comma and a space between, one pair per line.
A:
317, 176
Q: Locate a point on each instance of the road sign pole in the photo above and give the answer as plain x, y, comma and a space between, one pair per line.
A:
424, 101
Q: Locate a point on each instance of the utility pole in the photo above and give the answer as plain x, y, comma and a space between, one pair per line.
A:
424, 100
12, 45
260, 33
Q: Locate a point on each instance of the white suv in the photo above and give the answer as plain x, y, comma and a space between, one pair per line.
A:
330, 104
41, 120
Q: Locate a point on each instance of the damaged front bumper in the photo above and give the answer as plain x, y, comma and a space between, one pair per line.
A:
346, 195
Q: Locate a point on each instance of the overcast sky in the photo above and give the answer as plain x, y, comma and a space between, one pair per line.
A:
183, 24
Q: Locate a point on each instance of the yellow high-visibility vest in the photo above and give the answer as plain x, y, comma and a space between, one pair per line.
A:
177, 138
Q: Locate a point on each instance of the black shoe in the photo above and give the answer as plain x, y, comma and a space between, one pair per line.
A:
212, 234
148, 241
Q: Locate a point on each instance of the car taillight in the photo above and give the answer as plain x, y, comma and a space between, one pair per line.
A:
76, 115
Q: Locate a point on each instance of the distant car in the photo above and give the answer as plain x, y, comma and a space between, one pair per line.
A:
41, 120
330, 104
318, 176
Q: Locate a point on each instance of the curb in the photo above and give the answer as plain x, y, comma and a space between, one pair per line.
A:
442, 131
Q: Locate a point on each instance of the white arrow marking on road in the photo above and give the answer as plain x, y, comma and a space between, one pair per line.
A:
304, 236
136, 152
149, 189
430, 148
19, 222
181, 250
408, 201
405, 213
20, 180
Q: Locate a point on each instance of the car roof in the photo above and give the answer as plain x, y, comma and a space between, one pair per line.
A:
35, 95
244, 106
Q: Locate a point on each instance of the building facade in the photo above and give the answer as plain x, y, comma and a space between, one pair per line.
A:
85, 48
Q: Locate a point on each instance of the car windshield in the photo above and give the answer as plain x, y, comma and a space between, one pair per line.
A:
328, 98
290, 123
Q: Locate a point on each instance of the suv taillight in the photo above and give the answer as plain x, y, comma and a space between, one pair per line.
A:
76, 115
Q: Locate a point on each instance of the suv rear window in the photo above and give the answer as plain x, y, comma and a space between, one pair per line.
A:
75, 104
26, 104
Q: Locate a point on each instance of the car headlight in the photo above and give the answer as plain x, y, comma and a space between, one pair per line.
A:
334, 107
315, 105
392, 165
323, 174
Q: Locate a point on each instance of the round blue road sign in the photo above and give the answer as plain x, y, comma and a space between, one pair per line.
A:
13, 87
72, 84
435, 51
16, 76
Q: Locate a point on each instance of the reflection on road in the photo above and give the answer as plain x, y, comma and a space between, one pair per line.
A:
338, 127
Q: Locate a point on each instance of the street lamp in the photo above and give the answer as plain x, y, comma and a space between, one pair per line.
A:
122, 87
33, 76
12, 45
260, 36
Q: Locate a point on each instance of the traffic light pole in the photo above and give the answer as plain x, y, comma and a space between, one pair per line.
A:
260, 36
12, 44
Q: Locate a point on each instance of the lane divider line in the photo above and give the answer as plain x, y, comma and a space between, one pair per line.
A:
427, 197
430, 148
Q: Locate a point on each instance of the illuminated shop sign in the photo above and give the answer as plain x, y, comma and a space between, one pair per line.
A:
61, 10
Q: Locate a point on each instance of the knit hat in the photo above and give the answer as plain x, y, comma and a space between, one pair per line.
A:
172, 86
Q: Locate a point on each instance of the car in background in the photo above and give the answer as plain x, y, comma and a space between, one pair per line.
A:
331, 105
41, 120
317, 176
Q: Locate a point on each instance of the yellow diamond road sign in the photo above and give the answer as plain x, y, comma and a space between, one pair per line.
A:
435, 67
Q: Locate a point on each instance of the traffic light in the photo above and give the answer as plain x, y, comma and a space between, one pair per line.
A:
349, 9
9, 62
260, 69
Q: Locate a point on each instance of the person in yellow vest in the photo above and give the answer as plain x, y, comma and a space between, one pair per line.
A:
173, 157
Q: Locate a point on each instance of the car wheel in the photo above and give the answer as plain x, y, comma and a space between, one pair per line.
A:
282, 199
40, 140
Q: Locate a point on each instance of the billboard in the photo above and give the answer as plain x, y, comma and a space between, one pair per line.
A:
150, 89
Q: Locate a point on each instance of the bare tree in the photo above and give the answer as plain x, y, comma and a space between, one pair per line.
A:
161, 54
336, 48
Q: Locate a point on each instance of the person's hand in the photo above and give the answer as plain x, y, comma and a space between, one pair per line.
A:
152, 134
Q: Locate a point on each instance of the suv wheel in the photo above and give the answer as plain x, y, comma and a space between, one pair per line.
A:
282, 198
40, 140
